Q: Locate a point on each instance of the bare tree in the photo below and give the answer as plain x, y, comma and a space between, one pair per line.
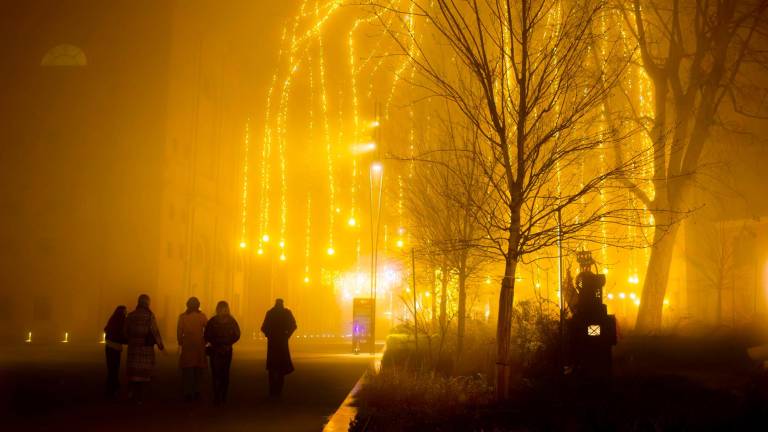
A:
440, 204
694, 53
520, 74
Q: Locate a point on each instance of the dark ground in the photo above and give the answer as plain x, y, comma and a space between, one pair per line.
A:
60, 387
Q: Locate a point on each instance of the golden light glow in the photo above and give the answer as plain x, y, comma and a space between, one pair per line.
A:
331, 251
351, 222
29, 337
243, 245
66, 338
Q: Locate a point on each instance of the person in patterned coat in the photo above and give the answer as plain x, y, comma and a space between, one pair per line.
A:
142, 335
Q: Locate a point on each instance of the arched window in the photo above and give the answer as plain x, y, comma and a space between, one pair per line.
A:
64, 55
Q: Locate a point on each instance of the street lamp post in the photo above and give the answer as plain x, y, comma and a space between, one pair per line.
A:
376, 174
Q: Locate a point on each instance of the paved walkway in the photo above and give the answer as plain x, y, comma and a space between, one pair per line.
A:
45, 388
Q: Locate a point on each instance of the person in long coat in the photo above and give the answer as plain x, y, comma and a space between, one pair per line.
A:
189, 333
221, 332
114, 339
279, 324
142, 335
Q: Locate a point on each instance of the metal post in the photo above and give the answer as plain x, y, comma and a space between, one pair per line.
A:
415, 314
560, 285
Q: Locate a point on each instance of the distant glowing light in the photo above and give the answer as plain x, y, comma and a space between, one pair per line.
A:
338, 209
306, 279
622, 295
605, 270
362, 148
331, 251
427, 294
632, 296
103, 338
242, 245
29, 338
265, 238
637, 302
66, 337
282, 257
666, 302
375, 124
633, 279
610, 296
352, 222
260, 251
400, 243
282, 244
376, 167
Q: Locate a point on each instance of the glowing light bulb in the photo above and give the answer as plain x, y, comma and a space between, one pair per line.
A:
242, 245
399, 243
632, 296
352, 222
331, 250
306, 279
637, 302
622, 295
282, 257
260, 251
376, 168
282, 244
666, 302
265, 238
375, 124
610, 296
605, 270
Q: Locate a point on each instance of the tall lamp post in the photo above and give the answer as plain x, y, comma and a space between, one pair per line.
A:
376, 177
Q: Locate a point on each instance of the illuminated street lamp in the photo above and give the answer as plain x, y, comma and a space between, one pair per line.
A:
376, 177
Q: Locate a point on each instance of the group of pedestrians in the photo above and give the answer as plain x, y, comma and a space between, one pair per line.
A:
198, 338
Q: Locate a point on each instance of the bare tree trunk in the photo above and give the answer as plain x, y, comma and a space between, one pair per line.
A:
656, 279
444, 274
462, 318
506, 309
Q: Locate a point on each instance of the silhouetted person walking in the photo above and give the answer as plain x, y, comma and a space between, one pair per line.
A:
278, 327
221, 332
189, 334
114, 338
142, 334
